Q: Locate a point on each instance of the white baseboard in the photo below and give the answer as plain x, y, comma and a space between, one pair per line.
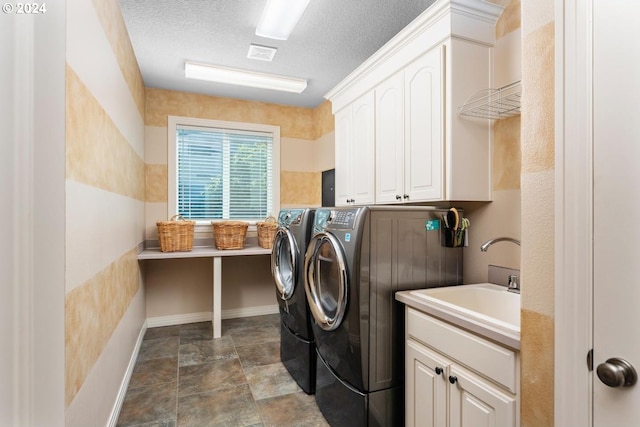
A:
115, 412
180, 319
250, 311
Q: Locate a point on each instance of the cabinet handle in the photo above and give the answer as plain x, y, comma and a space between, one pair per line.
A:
398, 197
453, 379
405, 196
439, 370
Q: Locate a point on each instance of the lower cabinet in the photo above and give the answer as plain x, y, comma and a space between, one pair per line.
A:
442, 392
426, 387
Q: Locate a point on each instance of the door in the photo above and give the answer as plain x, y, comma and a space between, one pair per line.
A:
326, 283
425, 387
361, 154
424, 136
390, 140
616, 208
329, 188
474, 402
355, 152
284, 263
343, 143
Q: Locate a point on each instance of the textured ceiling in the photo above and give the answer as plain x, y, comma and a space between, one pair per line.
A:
331, 39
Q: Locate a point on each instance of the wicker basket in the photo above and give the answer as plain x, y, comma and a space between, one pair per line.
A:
229, 234
176, 234
266, 232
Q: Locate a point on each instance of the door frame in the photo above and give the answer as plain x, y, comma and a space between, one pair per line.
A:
32, 277
574, 212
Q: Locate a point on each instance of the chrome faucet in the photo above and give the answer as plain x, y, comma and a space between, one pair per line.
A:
514, 280
490, 242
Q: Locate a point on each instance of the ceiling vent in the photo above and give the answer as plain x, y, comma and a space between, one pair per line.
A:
262, 53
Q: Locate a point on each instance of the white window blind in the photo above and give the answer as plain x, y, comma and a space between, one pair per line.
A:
224, 173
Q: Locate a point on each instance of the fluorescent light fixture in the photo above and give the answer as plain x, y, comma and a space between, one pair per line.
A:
280, 17
232, 76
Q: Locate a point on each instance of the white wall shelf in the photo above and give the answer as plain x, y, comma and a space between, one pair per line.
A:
494, 104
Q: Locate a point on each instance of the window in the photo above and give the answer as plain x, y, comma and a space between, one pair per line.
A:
223, 170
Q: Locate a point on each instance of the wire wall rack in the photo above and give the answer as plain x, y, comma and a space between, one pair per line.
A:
494, 104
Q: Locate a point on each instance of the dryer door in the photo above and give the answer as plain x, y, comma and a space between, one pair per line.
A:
284, 262
326, 280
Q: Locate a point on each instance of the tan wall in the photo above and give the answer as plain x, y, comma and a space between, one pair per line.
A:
535, 189
105, 190
537, 213
306, 143
306, 150
501, 217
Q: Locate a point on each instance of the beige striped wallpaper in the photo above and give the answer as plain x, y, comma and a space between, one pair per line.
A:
538, 213
105, 187
302, 132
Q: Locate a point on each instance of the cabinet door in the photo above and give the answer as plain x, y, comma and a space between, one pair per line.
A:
474, 402
424, 136
361, 152
343, 131
390, 140
425, 390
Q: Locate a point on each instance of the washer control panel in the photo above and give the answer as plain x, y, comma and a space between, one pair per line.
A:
290, 217
342, 218
320, 220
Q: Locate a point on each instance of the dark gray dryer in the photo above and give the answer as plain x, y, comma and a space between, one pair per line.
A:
354, 264
297, 348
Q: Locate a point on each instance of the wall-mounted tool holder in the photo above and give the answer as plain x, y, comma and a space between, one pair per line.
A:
455, 229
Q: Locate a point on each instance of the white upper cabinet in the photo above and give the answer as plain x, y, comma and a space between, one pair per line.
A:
409, 137
354, 130
424, 151
389, 143
424, 137
344, 120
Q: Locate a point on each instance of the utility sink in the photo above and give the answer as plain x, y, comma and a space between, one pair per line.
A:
484, 308
485, 299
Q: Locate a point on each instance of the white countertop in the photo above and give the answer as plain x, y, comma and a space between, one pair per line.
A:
466, 321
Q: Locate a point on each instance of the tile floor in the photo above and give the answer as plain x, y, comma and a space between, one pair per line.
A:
185, 378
